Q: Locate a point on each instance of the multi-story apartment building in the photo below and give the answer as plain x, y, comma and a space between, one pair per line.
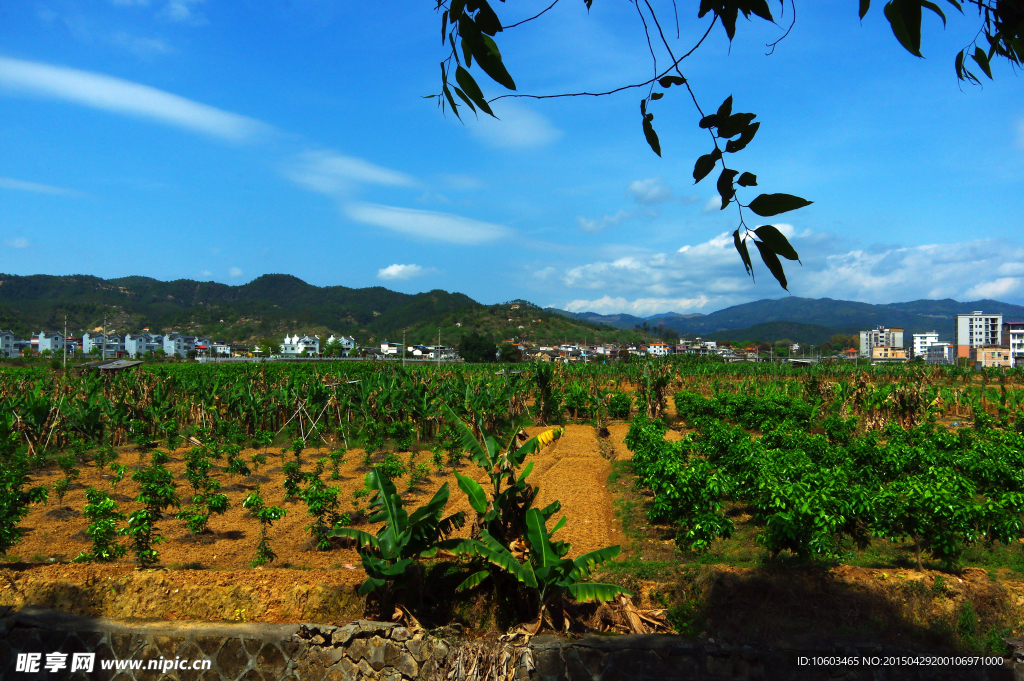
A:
940, 353
1013, 339
880, 338
922, 341
294, 346
112, 345
176, 344
977, 330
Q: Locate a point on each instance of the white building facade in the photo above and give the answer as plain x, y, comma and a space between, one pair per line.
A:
294, 346
7, 348
939, 353
347, 343
977, 330
1013, 338
922, 341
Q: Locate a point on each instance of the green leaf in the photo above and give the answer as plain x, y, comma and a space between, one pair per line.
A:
905, 19
472, 89
363, 539
864, 6
771, 261
473, 490
668, 81
935, 8
586, 563
724, 185
540, 543
643, 107
735, 145
551, 509
466, 437
463, 97
776, 241
725, 110
657, 95
455, 9
652, 137
486, 19
709, 121
741, 246
747, 180
473, 580
767, 205
735, 124
981, 58
444, 25
761, 9
585, 592
705, 164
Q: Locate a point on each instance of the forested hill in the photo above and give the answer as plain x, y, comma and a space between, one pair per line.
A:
268, 307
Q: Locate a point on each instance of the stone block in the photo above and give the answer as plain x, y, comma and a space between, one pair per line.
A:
407, 665
548, 664
52, 640
270, 660
367, 671
253, 675
400, 634
344, 670
232, 660
440, 650
390, 674
375, 652
420, 650
357, 649
343, 635
90, 639
583, 661
318, 640
427, 670
392, 653
252, 645
24, 640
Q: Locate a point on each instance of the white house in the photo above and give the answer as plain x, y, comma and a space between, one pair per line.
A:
112, 346
659, 349
294, 346
7, 344
54, 342
922, 341
136, 345
347, 343
1013, 338
176, 344
390, 348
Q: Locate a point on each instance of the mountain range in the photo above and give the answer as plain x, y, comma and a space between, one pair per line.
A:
841, 316
274, 304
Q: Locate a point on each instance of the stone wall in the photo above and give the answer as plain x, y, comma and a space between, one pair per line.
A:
365, 651
244, 652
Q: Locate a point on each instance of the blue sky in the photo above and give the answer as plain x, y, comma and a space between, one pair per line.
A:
220, 141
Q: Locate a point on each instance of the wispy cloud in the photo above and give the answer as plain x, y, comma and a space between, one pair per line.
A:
235, 272
641, 307
396, 271
141, 47
427, 225
331, 173
23, 186
713, 204
615, 220
107, 93
460, 182
18, 242
181, 11
519, 127
650, 191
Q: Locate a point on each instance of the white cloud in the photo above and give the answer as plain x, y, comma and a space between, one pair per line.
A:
206, 273
107, 93
331, 173
519, 127
607, 221
18, 242
23, 186
641, 307
396, 271
142, 47
650, 191
709, 275
181, 11
234, 272
425, 224
713, 204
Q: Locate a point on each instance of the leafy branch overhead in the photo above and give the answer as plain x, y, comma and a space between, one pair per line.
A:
468, 28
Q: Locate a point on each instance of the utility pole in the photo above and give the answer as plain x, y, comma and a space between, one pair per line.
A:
103, 352
438, 349
65, 339
403, 347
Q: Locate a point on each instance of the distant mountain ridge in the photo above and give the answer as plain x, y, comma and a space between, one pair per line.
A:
915, 316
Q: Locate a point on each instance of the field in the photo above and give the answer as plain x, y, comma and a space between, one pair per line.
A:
748, 501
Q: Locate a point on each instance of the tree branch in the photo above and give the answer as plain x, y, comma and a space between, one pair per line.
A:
520, 23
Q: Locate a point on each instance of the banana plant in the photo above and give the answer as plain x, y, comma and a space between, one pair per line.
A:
504, 515
545, 569
403, 537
